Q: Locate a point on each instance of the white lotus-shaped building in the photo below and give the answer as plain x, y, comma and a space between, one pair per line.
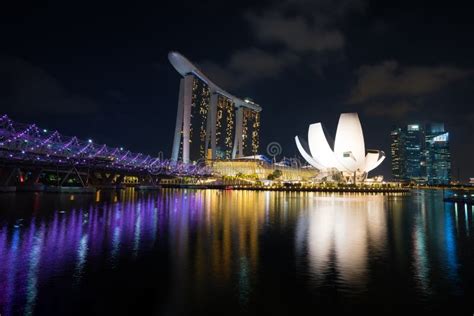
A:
348, 156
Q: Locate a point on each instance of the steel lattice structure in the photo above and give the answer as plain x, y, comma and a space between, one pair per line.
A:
28, 143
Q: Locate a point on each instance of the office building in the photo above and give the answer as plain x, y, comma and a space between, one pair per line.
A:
437, 154
420, 154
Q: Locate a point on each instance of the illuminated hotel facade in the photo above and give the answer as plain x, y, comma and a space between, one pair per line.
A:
211, 124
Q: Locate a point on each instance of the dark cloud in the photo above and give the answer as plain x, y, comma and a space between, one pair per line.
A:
248, 65
295, 33
304, 25
26, 88
285, 33
321, 12
389, 79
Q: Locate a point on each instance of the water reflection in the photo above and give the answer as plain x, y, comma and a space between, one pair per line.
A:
44, 247
213, 239
339, 231
217, 244
421, 264
450, 253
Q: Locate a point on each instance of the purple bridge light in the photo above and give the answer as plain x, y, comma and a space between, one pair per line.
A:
28, 143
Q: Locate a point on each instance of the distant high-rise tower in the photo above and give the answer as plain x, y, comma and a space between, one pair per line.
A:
211, 123
438, 157
413, 147
397, 151
421, 154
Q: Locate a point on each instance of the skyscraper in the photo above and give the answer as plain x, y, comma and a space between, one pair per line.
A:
438, 157
421, 154
250, 130
225, 128
397, 151
198, 133
413, 147
210, 122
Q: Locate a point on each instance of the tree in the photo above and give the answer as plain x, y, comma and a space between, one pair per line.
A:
277, 174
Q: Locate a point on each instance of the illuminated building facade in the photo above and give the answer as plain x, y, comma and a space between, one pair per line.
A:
225, 128
250, 130
259, 170
421, 154
413, 147
211, 123
198, 121
437, 154
397, 152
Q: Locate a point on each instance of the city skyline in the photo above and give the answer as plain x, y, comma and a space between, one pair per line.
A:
421, 153
348, 57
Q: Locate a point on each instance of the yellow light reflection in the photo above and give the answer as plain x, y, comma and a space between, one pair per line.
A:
340, 229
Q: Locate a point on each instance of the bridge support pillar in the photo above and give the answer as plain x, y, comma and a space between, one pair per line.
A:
119, 179
8, 175
74, 171
107, 179
33, 178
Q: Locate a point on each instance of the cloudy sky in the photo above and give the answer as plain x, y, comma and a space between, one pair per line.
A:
100, 70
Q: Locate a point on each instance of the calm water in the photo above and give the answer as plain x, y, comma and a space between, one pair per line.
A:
234, 252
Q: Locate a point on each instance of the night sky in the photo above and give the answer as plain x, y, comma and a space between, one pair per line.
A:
100, 70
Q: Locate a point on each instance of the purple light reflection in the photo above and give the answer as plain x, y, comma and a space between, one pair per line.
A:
66, 242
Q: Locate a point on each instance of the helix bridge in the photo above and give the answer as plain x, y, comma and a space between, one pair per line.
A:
29, 147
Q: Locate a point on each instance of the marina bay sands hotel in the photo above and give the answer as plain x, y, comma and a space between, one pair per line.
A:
211, 123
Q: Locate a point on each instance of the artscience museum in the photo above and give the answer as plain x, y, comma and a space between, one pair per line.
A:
347, 158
